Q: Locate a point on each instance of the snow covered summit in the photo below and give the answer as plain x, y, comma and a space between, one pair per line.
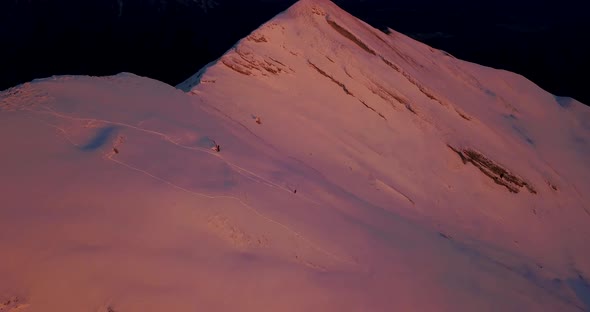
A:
320, 164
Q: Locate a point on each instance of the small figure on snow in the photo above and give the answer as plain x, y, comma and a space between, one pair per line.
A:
258, 121
216, 147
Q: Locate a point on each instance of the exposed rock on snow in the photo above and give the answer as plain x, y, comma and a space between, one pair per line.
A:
496, 172
12, 304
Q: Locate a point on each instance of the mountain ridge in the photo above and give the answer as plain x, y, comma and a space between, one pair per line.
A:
160, 30
318, 164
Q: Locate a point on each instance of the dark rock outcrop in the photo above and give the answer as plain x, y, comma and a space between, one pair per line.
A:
496, 172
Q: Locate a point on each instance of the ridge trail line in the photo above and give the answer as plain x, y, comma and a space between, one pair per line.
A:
166, 137
236, 168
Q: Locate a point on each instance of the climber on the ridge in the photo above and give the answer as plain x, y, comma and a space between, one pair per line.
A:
216, 147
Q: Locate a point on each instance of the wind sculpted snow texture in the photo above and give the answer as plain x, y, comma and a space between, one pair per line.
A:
358, 171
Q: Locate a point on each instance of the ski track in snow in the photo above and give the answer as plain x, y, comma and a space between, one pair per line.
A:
238, 169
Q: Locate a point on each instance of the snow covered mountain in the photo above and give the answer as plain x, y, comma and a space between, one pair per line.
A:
356, 171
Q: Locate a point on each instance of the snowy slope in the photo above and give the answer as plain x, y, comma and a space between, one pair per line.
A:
382, 175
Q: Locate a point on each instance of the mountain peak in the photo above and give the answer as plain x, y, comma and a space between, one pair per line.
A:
319, 26
402, 100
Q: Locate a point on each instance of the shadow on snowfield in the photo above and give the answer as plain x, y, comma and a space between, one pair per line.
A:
582, 289
100, 139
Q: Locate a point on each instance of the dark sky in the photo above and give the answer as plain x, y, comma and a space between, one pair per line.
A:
546, 41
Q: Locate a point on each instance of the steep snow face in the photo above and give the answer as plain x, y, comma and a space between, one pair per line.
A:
351, 101
414, 131
356, 171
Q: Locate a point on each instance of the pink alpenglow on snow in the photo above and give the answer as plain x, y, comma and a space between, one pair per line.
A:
386, 176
